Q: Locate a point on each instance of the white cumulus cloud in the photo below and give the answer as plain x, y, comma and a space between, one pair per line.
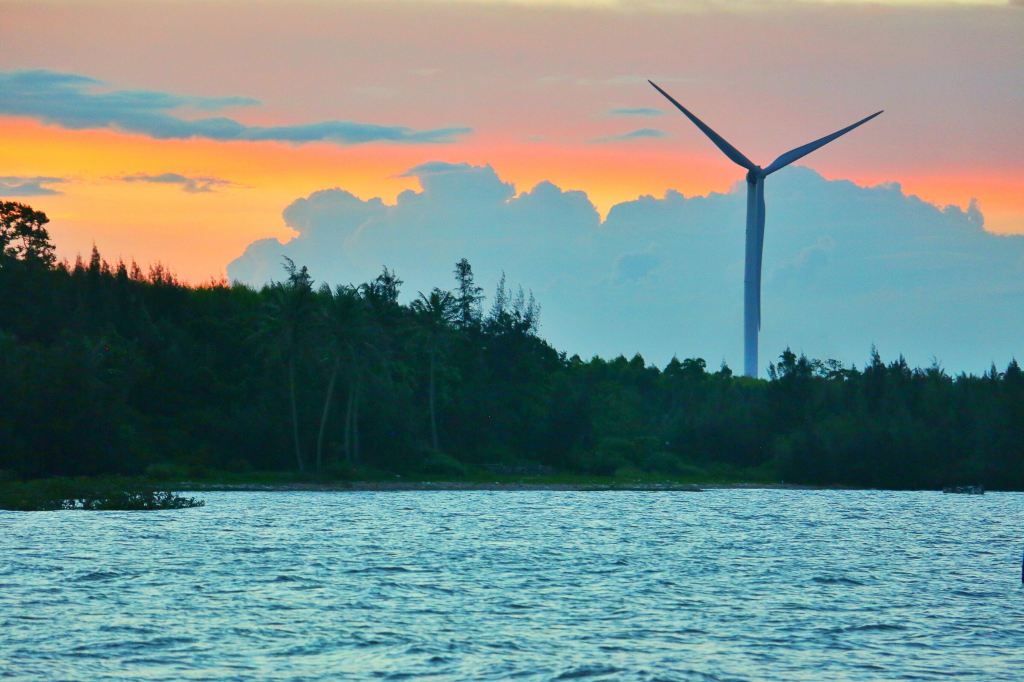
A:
845, 266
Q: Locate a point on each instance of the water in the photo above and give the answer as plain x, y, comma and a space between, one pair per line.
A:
719, 585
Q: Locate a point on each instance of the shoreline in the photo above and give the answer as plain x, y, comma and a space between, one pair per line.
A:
448, 486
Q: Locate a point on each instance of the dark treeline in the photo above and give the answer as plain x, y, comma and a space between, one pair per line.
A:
106, 369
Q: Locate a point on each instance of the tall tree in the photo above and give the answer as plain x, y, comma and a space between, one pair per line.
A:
23, 235
283, 327
468, 295
382, 292
500, 303
346, 323
437, 313
513, 312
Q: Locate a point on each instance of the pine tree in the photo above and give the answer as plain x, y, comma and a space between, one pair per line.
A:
468, 295
23, 235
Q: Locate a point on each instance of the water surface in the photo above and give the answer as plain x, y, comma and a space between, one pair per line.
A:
537, 585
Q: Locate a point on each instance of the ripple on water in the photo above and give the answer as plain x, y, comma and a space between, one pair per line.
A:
540, 585
869, 627
836, 580
97, 576
588, 671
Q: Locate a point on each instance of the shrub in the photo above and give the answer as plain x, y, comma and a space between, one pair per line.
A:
54, 494
440, 464
661, 462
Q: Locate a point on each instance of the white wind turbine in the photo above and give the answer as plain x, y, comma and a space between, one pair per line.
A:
755, 221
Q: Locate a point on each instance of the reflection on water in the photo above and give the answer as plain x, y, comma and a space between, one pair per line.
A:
725, 584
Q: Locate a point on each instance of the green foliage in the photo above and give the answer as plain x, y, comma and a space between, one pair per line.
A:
661, 462
90, 495
105, 369
436, 463
23, 236
468, 295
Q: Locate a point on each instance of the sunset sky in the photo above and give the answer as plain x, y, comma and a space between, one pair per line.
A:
105, 106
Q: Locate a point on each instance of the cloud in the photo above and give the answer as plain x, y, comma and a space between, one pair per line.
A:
434, 167
639, 134
32, 186
636, 111
77, 102
193, 185
845, 266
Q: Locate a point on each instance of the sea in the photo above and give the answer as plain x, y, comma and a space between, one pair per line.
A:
723, 584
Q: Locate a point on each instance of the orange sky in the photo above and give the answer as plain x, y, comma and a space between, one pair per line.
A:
536, 98
197, 234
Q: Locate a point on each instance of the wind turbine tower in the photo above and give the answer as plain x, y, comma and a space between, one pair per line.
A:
755, 220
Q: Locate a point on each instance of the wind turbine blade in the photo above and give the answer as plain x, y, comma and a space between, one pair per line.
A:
800, 152
734, 154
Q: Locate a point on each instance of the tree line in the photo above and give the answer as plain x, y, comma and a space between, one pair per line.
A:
109, 369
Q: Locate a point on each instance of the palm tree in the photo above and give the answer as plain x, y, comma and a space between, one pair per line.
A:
437, 313
367, 347
345, 322
282, 330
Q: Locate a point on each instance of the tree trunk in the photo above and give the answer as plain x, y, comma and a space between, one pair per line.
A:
348, 422
295, 415
323, 416
430, 392
355, 426
352, 417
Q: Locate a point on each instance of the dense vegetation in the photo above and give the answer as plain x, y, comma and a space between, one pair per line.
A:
89, 494
106, 369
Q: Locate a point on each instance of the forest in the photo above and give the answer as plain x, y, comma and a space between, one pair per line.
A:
107, 369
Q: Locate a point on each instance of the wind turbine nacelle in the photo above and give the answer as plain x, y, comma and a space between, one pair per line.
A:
754, 174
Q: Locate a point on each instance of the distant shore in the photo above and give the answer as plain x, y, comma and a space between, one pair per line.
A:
510, 486
131, 493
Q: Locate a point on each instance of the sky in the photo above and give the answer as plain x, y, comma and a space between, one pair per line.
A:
190, 132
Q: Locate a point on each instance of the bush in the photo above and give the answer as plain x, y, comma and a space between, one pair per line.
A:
662, 462
54, 494
628, 473
600, 462
165, 471
339, 471
613, 454
440, 464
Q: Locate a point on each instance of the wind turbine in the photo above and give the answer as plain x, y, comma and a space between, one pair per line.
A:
755, 220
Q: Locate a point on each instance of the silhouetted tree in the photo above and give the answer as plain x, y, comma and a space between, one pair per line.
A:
287, 314
107, 369
468, 295
348, 331
23, 235
437, 313
382, 292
